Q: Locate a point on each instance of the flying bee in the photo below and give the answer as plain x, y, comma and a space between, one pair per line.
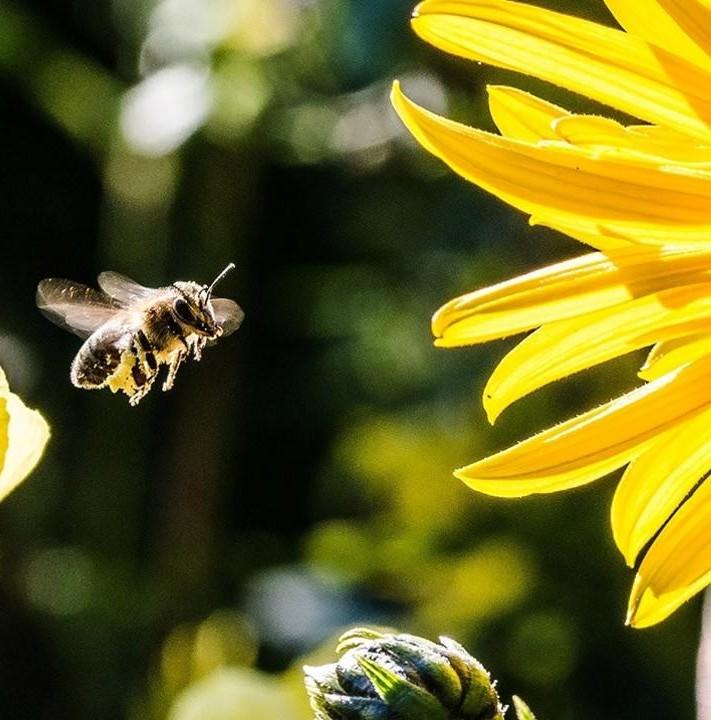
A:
132, 330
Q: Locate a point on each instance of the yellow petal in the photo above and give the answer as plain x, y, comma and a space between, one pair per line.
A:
603, 135
590, 131
600, 239
672, 354
658, 133
657, 481
607, 65
678, 563
564, 290
563, 348
679, 26
522, 116
4, 419
23, 436
595, 443
569, 185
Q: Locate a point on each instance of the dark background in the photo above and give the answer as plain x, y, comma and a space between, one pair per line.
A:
298, 480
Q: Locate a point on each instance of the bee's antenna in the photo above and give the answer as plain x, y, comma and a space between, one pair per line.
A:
231, 266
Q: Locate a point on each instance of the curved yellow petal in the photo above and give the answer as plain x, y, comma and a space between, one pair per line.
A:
564, 290
595, 443
569, 185
600, 239
603, 135
590, 130
672, 354
659, 133
521, 115
566, 347
4, 420
679, 26
677, 565
23, 436
602, 63
648, 607
657, 481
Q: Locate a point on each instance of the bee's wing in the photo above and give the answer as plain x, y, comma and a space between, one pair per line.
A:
123, 289
228, 314
73, 306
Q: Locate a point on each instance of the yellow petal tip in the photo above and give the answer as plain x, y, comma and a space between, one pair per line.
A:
398, 100
460, 475
491, 407
634, 622
640, 612
629, 618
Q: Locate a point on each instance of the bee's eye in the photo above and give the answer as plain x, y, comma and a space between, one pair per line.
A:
183, 311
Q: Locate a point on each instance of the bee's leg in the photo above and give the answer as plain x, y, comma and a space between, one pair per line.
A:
145, 355
143, 385
145, 368
139, 394
173, 370
198, 345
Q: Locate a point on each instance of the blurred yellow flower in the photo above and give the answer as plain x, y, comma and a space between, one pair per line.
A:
23, 435
640, 195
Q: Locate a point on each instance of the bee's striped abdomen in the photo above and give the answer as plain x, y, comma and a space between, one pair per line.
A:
99, 358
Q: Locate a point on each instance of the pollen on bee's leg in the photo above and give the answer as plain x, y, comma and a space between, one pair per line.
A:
123, 377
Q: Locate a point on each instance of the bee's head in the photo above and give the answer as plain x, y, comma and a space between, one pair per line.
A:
192, 310
192, 307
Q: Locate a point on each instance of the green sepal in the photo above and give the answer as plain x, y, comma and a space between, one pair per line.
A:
523, 712
354, 708
434, 669
480, 699
407, 701
355, 638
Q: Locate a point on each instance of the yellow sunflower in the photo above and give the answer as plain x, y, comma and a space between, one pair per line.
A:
640, 196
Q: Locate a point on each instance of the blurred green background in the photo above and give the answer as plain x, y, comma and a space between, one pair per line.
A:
184, 558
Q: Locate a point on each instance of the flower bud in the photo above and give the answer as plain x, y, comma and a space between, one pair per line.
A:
383, 676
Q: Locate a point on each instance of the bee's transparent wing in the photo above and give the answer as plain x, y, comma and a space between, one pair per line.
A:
228, 314
123, 289
73, 306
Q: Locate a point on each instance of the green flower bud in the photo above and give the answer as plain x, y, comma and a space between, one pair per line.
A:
383, 676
